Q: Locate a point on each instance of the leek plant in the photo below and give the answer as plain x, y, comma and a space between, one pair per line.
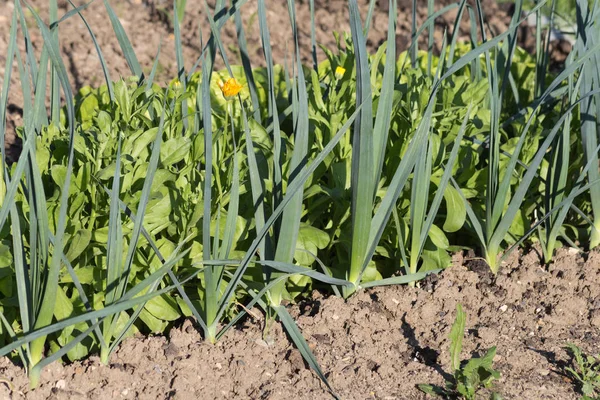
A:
40, 255
503, 201
588, 19
37, 282
559, 199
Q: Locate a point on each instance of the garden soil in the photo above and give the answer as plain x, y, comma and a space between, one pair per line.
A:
377, 345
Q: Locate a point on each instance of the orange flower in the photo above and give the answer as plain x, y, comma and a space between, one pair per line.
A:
230, 88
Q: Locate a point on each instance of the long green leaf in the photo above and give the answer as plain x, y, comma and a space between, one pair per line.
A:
124, 42
292, 329
363, 187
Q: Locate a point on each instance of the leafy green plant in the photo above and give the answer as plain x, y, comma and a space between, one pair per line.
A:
469, 376
585, 372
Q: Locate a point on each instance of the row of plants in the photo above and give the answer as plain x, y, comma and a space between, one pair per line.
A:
135, 203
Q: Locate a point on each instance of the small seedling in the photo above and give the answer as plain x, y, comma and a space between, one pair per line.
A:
585, 372
468, 376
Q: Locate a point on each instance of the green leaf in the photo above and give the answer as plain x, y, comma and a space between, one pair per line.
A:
6, 258
438, 237
163, 307
79, 242
85, 275
456, 337
107, 172
59, 173
371, 274
432, 390
175, 150
6, 286
88, 108
123, 98
141, 142
104, 122
456, 213
435, 259
155, 325
312, 240
80, 350
64, 307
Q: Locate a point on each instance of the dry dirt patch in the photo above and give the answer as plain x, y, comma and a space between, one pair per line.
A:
379, 344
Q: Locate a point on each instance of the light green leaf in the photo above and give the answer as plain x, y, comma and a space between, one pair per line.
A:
175, 150
438, 237
163, 307
154, 324
456, 337
59, 173
435, 259
6, 258
79, 242
310, 239
456, 213
63, 307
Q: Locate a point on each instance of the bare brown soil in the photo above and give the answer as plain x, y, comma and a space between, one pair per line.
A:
377, 345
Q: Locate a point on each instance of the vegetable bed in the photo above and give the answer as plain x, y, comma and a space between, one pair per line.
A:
225, 195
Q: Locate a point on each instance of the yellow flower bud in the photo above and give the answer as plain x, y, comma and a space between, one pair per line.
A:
230, 88
339, 72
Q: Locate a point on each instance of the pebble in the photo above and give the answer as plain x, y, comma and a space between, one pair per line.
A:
262, 343
61, 384
543, 372
503, 308
269, 340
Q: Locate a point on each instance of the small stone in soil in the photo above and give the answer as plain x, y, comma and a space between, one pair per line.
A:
270, 340
543, 372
